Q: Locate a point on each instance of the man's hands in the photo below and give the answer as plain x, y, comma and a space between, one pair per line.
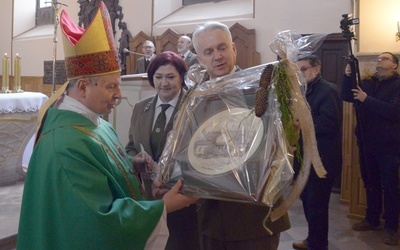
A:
173, 200
157, 190
143, 162
347, 70
359, 94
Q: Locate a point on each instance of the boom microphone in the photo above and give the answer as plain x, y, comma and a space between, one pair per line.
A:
131, 52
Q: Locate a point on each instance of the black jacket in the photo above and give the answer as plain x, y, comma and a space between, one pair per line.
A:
379, 115
326, 110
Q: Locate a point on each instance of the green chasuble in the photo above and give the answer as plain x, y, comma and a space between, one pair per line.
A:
79, 191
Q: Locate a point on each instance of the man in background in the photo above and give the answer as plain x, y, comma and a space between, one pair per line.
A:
143, 62
377, 102
326, 111
184, 46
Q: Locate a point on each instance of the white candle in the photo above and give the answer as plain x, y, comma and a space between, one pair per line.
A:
3, 74
398, 26
6, 70
17, 73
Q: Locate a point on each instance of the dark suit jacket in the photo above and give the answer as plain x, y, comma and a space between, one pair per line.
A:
140, 65
326, 110
191, 59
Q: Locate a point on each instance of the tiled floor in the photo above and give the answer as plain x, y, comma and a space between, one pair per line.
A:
10, 204
341, 236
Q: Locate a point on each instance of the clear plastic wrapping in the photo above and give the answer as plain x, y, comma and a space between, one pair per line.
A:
220, 148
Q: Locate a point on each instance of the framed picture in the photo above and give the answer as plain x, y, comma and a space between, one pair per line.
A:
219, 149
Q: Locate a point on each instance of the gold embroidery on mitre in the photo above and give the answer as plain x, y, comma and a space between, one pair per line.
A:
91, 64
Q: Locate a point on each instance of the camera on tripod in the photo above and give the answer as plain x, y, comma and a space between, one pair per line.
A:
347, 21
345, 24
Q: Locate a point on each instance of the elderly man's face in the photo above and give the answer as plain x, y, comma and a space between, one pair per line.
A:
101, 95
309, 72
183, 45
217, 53
148, 49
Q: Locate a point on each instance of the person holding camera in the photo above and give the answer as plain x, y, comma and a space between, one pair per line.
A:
377, 102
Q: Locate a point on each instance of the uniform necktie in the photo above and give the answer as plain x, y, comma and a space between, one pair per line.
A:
158, 130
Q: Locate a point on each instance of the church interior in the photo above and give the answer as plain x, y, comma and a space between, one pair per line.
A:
32, 62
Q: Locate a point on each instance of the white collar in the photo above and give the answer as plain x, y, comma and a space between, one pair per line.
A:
69, 103
150, 58
173, 102
186, 54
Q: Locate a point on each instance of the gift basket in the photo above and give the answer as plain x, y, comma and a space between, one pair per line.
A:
233, 136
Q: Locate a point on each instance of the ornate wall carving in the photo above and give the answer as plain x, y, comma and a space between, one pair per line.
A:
87, 12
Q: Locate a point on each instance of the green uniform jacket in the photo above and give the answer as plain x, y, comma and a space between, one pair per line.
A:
79, 191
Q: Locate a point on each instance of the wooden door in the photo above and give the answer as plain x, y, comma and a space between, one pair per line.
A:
332, 53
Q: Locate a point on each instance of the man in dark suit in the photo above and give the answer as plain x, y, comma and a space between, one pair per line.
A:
184, 45
225, 224
143, 62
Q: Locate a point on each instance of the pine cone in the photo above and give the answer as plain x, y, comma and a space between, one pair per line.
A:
262, 93
261, 102
265, 79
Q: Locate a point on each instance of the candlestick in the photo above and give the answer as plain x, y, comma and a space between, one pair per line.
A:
17, 74
5, 76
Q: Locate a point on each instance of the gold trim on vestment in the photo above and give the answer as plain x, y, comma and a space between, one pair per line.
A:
110, 153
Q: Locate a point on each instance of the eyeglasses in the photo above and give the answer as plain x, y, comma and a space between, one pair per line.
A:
384, 58
147, 47
303, 69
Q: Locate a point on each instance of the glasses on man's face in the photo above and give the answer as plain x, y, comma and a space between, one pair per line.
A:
147, 47
304, 69
384, 58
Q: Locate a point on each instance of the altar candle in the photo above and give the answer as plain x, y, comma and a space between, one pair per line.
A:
17, 72
398, 26
5, 76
